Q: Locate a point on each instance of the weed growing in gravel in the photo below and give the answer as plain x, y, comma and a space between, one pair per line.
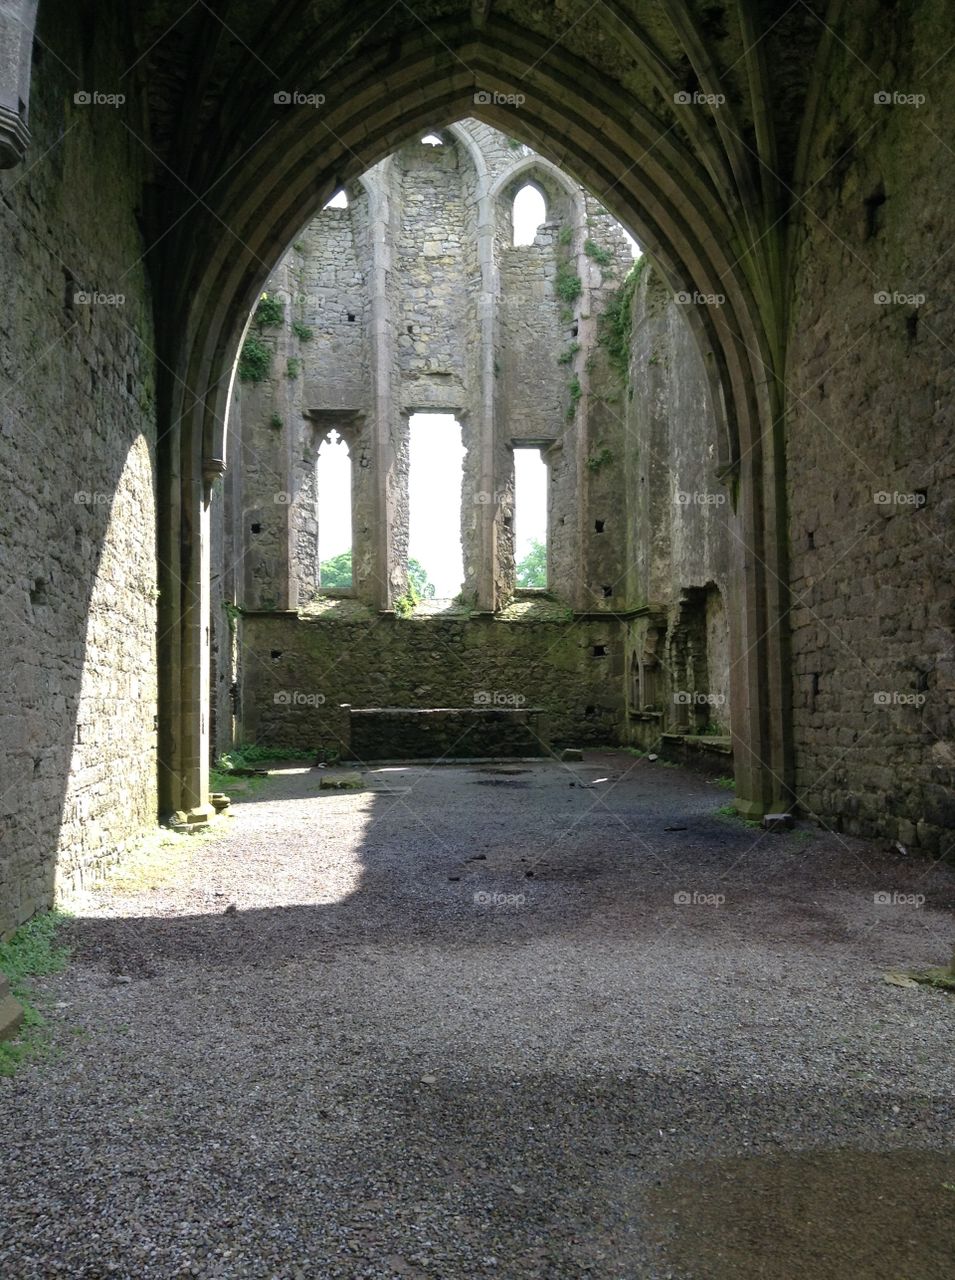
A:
32, 952
730, 811
727, 782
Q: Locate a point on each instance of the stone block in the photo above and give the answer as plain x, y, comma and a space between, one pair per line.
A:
777, 821
11, 1011
341, 782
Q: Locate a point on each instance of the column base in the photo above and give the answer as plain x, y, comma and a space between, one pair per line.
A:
11, 1012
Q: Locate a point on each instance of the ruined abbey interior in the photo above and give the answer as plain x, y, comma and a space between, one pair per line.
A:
649, 303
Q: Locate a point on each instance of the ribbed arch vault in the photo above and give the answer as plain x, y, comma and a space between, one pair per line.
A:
678, 179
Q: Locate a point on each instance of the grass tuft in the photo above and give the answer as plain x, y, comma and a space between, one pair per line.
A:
32, 952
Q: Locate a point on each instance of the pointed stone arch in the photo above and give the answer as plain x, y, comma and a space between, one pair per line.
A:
675, 191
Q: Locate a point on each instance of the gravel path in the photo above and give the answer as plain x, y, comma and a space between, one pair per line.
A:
456, 1025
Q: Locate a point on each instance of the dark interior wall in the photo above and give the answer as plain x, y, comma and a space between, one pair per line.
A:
77, 463
870, 435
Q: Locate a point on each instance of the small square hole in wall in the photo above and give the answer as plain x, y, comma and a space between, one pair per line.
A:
256, 528
351, 317
599, 526
608, 592
275, 654
921, 498
599, 651
810, 540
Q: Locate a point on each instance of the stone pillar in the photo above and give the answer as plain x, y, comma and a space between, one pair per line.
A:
384, 423
488, 512
17, 20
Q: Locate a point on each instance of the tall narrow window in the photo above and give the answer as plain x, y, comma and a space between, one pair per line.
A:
528, 213
334, 513
530, 518
436, 472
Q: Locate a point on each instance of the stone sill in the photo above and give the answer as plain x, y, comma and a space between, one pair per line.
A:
712, 744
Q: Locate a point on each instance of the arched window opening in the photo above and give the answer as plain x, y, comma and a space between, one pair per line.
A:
338, 201
435, 476
334, 514
530, 519
529, 211
432, 140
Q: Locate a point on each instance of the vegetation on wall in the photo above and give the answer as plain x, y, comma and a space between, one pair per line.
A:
269, 313
568, 284
420, 587
602, 257
302, 331
616, 322
576, 391
599, 460
255, 360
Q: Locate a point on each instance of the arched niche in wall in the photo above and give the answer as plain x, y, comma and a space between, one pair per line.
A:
563, 201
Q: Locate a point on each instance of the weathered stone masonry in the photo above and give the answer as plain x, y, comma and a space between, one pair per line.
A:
779, 172
77, 522
607, 429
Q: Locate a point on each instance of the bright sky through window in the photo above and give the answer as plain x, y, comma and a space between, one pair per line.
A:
338, 201
334, 498
434, 500
530, 501
529, 212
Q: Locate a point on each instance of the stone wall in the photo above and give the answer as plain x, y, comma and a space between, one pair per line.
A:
675, 578
638, 530
77, 526
533, 656
870, 458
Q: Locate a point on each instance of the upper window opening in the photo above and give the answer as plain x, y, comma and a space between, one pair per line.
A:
334, 513
338, 201
530, 509
435, 476
432, 140
528, 213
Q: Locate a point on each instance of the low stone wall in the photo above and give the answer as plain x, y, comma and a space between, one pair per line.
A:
298, 670
407, 733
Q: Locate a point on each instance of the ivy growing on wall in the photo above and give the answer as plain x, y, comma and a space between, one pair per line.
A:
269, 313
568, 284
255, 360
602, 257
616, 322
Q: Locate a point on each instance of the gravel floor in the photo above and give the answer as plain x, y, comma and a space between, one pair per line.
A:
466, 1023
